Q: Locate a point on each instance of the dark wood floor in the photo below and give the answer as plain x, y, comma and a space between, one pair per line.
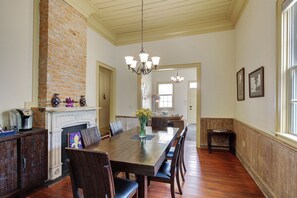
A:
219, 174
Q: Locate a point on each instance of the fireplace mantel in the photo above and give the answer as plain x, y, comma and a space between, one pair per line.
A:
56, 120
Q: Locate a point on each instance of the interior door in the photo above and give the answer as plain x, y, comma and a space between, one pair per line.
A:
192, 100
104, 99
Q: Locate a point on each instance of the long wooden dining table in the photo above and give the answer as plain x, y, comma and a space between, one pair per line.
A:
127, 153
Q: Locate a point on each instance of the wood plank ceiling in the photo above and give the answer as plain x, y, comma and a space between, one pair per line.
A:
120, 20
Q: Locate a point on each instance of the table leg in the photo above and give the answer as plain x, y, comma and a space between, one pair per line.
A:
142, 186
209, 142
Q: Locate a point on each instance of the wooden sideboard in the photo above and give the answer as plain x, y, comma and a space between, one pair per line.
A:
23, 162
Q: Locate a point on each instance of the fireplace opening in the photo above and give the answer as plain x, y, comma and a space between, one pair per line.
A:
65, 142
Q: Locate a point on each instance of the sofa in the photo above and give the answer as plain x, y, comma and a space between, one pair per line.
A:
161, 122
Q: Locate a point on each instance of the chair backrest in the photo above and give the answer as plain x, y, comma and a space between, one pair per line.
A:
184, 135
159, 123
115, 128
90, 136
90, 171
175, 158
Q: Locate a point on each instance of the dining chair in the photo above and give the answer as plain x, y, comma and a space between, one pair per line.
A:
169, 155
159, 123
91, 176
90, 136
169, 170
115, 128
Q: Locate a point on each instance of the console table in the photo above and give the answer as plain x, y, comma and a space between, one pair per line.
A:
229, 134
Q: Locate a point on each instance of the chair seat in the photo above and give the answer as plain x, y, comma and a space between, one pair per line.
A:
124, 188
164, 171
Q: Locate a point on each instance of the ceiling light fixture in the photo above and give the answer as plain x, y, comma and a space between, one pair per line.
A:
145, 66
177, 79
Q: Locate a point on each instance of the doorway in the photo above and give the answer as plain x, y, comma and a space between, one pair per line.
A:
104, 99
105, 96
198, 95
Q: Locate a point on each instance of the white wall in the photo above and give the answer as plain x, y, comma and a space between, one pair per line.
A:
180, 89
99, 49
16, 49
255, 38
215, 52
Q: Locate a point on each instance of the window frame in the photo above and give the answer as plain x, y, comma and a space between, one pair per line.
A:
286, 70
173, 91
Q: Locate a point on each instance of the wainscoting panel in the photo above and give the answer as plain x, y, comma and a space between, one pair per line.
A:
214, 123
271, 162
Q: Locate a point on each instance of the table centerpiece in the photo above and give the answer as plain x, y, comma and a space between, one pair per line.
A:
143, 115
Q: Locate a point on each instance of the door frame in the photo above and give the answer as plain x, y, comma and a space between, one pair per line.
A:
112, 82
198, 104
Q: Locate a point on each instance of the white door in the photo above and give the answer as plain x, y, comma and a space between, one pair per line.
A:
192, 100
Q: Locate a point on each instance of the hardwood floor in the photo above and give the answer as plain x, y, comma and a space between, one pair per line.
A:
219, 174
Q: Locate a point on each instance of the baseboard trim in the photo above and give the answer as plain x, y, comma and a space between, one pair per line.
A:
261, 184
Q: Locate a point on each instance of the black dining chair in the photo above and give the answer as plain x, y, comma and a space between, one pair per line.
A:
91, 176
90, 136
115, 128
169, 170
169, 155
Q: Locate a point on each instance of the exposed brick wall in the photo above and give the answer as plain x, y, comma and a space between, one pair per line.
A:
39, 117
62, 52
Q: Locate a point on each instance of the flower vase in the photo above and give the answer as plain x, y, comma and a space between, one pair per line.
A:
55, 100
142, 132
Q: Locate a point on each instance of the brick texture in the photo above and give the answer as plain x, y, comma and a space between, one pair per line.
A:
62, 54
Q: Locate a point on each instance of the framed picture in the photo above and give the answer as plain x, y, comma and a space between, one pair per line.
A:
74, 140
256, 83
240, 84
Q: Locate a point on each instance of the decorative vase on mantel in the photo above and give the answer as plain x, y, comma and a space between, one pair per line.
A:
82, 101
55, 100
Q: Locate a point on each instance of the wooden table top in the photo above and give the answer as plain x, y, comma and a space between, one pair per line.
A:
127, 153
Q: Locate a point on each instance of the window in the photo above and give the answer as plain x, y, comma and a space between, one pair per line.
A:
193, 85
165, 92
289, 67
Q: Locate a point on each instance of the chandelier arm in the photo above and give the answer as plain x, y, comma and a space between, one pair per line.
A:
136, 71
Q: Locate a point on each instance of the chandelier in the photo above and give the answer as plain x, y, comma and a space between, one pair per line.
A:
177, 79
145, 66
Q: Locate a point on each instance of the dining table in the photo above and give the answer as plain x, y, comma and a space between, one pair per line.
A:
141, 156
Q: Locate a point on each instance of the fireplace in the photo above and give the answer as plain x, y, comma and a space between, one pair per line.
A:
65, 143
58, 119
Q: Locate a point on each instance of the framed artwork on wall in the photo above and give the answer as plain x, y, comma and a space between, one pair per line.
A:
240, 84
74, 140
256, 83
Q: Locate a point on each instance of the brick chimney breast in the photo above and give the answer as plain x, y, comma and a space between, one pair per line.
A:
62, 55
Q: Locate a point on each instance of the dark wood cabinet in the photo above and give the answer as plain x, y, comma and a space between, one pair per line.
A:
8, 167
23, 162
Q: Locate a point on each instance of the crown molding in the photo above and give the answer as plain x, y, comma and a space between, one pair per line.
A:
237, 9
94, 22
82, 6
